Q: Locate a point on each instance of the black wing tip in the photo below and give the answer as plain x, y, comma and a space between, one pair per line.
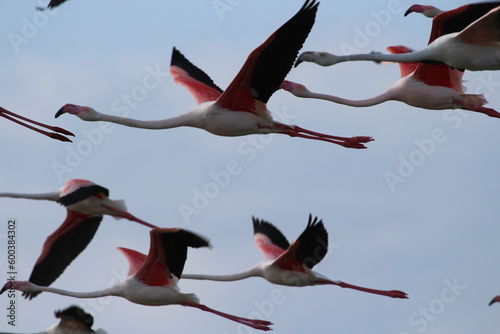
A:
271, 231
83, 193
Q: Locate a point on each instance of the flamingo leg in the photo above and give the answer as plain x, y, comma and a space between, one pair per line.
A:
487, 111
254, 323
12, 117
296, 131
129, 216
388, 293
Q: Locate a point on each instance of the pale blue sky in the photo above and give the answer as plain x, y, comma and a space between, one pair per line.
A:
432, 232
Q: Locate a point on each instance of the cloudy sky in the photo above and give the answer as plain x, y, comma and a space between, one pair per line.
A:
416, 211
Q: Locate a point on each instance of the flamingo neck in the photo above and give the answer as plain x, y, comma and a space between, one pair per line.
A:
52, 196
92, 294
191, 119
252, 272
389, 95
410, 57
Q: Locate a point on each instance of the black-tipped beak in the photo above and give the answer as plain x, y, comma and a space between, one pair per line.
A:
59, 112
5, 287
297, 62
408, 11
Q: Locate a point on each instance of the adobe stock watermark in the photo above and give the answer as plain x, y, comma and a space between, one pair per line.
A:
81, 148
222, 7
248, 150
409, 163
364, 35
30, 27
421, 319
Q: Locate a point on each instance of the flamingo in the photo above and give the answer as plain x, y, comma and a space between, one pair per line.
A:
496, 299
74, 320
86, 203
154, 283
19, 120
475, 47
52, 4
291, 265
422, 85
241, 109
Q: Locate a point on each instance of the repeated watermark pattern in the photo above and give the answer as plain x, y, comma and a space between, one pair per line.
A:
421, 319
248, 150
80, 149
408, 163
380, 20
30, 27
223, 7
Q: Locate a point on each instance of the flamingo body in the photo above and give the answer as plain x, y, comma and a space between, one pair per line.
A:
242, 108
154, 283
86, 203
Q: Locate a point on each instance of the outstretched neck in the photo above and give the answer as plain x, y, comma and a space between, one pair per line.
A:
92, 294
389, 95
52, 196
410, 57
252, 272
191, 119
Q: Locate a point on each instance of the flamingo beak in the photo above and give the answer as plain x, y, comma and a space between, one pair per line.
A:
416, 9
60, 112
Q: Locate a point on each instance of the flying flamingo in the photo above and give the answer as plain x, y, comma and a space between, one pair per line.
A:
155, 281
291, 265
241, 109
86, 203
74, 320
19, 120
496, 299
473, 48
422, 85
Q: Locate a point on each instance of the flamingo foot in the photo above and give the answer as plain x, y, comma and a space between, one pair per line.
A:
262, 325
18, 119
387, 293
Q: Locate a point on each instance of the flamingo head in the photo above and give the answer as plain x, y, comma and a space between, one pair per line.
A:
23, 286
320, 58
426, 10
296, 89
85, 113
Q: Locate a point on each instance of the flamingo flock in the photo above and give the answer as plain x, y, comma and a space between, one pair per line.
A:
463, 39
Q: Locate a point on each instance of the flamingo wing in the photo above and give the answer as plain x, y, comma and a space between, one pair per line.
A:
268, 239
134, 258
197, 82
309, 248
404, 68
81, 193
62, 247
167, 255
267, 66
458, 19
485, 30
440, 74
